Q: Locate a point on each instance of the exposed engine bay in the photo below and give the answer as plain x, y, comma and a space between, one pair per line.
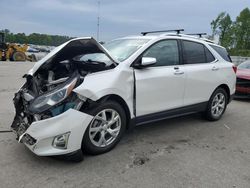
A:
48, 92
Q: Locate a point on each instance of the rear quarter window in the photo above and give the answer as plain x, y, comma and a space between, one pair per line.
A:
222, 52
209, 55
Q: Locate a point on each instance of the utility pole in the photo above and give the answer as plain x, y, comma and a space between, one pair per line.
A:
98, 22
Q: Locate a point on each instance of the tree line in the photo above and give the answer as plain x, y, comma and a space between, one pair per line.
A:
35, 38
233, 35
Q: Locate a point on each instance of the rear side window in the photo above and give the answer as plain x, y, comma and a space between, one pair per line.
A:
194, 52
223, 52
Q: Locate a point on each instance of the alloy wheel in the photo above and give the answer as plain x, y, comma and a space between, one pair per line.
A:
105, 127
218, 104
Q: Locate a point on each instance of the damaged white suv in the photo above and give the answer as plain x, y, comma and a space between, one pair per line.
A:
83, 96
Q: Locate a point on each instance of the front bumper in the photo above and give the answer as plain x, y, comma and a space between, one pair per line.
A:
44, 132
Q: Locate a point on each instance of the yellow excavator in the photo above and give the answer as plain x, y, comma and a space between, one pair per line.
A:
13, 52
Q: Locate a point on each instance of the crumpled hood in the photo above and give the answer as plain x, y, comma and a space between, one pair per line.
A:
72, 48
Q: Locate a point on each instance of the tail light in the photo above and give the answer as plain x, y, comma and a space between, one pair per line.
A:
234, 68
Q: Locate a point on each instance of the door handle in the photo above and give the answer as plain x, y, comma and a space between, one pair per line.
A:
215, 68
178, 72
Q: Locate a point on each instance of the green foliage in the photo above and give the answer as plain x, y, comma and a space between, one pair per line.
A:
235, 36
35, 38
237, 52
223, 26
242, 30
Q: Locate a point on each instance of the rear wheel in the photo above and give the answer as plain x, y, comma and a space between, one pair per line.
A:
106, 128
216, 105
19, 56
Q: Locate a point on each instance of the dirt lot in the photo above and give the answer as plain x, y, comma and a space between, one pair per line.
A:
182, 152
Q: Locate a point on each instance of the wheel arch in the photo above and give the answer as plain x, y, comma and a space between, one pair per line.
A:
226, 88
120, 101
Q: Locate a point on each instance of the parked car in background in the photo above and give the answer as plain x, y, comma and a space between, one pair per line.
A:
243, 80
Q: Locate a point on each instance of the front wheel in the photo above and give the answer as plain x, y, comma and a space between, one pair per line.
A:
106, 128
216, 105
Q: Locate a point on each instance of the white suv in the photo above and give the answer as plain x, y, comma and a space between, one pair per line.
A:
83, 96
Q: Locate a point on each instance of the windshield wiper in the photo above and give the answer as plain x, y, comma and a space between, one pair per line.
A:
94, 62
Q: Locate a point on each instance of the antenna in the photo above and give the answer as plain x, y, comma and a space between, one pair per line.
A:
198, 34
98, 21
178, 31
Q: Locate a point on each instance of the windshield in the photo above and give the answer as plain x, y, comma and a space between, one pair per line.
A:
94, 57
245, 65
121, 49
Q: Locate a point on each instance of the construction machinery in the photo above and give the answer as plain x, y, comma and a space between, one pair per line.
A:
13, 52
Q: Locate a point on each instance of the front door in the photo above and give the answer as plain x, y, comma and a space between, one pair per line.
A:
161, 86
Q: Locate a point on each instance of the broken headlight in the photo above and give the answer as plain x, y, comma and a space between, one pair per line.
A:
44, 102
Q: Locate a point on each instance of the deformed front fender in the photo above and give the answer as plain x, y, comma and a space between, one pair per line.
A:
115, 81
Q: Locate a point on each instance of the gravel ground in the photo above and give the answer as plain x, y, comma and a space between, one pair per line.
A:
181, 152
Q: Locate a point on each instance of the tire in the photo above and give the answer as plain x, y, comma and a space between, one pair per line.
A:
217, 105
3, 58
97, 138
19, 56
2, 55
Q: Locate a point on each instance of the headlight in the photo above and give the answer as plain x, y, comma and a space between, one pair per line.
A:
52, 98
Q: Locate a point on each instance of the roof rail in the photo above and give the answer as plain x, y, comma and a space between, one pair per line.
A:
198, 34
178, 31
199, 37
207, 40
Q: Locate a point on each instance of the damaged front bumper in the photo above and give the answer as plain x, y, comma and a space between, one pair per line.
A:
40, 135
56, 131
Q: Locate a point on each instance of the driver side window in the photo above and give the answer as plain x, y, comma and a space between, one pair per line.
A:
166, 53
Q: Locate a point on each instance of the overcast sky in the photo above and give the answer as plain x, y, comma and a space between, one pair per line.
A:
118, 18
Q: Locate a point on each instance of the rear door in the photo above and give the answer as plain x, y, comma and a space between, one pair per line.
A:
203, 74
161, 86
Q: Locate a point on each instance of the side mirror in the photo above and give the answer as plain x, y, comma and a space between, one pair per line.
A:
144, 62
147, 61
